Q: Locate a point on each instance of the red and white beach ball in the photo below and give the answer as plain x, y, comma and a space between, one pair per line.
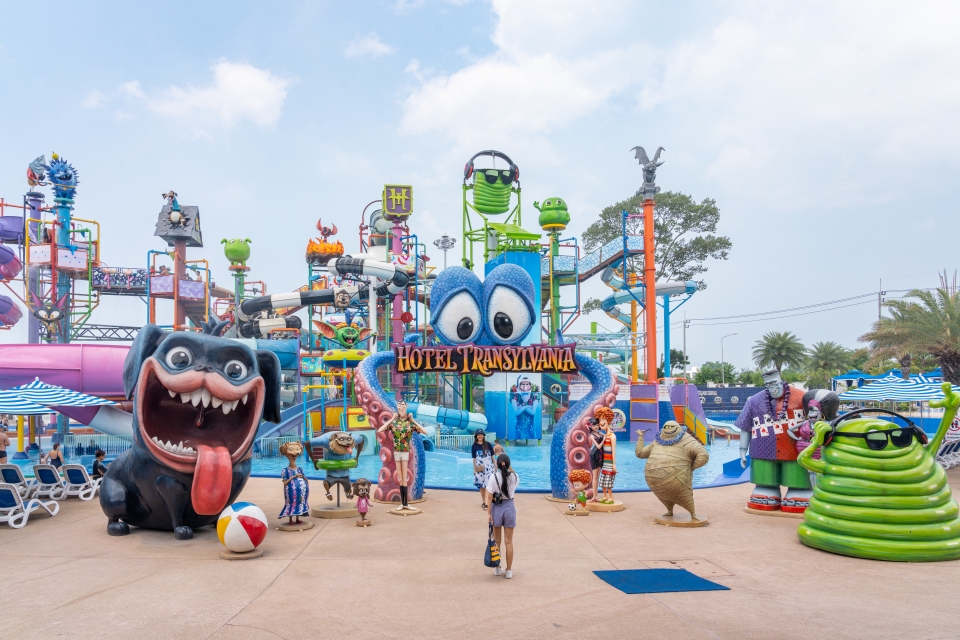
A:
242, 527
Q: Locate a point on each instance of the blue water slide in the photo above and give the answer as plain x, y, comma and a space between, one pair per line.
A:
454, 418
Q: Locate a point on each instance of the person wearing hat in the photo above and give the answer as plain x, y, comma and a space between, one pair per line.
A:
483, 465
765, 424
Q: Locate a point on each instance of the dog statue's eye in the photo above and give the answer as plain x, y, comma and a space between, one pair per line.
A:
179, 358
235, 370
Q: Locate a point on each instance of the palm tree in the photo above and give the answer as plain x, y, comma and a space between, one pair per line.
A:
828, 356
779, 348
930, 323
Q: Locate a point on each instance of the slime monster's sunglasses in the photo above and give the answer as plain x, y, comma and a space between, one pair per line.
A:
506, 176
877, 440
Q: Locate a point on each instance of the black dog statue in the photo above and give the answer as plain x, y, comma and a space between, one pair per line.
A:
197, 404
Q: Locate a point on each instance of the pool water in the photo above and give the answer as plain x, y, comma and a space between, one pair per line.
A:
454, 469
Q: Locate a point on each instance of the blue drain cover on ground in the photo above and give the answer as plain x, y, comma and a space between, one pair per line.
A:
657, 581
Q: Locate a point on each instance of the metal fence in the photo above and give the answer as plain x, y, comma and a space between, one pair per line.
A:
270, 447
454, 443
86, 445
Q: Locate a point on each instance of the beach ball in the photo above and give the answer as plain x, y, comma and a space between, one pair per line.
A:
242, 527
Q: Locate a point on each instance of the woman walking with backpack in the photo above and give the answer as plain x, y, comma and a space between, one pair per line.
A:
503, 514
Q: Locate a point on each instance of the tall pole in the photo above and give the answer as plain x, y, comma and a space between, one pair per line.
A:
179, 273
685, 358
649, 283
723, 380
667, 369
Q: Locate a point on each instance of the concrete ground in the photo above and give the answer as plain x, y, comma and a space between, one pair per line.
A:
423, 577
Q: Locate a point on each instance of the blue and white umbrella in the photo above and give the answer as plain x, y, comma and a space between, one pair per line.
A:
11, 403
895, 388
50, 395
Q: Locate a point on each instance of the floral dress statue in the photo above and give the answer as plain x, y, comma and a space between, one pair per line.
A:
295, 493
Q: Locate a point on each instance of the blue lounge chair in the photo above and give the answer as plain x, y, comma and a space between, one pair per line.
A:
79, 483
49, 483
949, 454
15, 512
12, 474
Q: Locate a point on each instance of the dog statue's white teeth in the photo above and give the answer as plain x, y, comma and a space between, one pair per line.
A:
189, 450
206, 397
216, 402
195, 397
244, 399
180, 448
227, 407
173, 394
154, 438
185, 397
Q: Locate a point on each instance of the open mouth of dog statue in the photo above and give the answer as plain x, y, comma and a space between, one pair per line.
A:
198, 401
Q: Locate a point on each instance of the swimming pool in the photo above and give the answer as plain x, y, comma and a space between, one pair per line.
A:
454, 470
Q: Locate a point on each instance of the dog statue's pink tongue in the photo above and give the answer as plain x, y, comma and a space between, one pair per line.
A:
211, 480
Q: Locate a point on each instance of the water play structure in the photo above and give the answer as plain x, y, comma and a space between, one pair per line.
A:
337, 337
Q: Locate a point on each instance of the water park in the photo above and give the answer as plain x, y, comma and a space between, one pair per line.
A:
394, 384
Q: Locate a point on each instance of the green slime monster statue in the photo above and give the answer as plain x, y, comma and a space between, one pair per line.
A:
886, 502
237, 251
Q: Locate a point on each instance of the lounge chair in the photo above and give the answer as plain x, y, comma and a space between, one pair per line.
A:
15, 512
12, 474
949, 454
49, 483
79, 483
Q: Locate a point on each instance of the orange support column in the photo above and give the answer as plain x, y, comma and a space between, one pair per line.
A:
649, 288
179, 273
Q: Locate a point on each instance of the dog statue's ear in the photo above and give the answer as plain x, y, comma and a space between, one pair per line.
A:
148, 339
270, 370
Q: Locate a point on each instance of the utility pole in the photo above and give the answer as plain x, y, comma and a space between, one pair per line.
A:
686, 323
880, 295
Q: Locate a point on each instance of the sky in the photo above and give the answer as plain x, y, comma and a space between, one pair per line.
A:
827, 132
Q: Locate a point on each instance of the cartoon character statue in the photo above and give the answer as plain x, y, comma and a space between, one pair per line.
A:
608, 470
50, 315
361, 489
337, 459
671, 460
579, 481
349, 335
326, 232
176, 214
37, 172
525, 401
553, 214
237, 251
764, 424
296, 489
818, 404
880, 492
197, 403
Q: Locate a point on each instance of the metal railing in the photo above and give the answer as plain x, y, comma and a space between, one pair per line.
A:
86, 445
454, 443
270, 447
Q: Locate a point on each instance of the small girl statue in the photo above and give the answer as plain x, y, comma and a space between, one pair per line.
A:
296, 490
361, 489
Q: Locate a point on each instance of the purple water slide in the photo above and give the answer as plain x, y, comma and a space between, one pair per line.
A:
10, 264
11, 229
10, 313
88, 368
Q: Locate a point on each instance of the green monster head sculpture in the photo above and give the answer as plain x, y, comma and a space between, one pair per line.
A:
553, 214
348, 335
881, 493
237, 251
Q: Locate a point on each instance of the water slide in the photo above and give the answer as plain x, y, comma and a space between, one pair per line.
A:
10, 266
623, 293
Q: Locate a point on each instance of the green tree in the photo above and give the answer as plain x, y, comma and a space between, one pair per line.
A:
923, 322
859, 358
779, 348
750, 377
820, 379
684, 235
793, 375
677, 361
711, 372
828, 356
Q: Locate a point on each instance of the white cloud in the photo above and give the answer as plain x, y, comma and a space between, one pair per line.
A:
239, 92
93, 99
368, 46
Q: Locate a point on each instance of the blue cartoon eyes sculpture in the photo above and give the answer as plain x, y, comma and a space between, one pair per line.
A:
498, 311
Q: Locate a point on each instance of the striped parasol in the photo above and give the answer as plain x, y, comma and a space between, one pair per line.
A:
11, 403
918, 389
50, 395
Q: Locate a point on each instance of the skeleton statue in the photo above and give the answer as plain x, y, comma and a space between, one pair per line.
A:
649, 166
